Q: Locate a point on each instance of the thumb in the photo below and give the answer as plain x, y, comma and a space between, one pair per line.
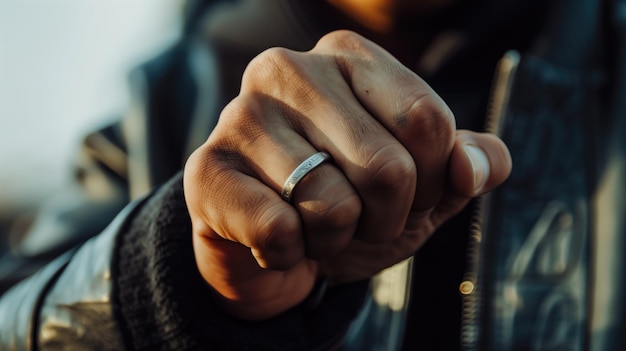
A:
479, 162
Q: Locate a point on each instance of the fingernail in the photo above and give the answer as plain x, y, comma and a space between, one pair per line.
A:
480, 165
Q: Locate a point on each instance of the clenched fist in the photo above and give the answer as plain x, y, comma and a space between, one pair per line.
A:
399, 169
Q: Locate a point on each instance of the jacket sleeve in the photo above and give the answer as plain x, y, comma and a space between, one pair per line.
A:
136, 287
54, 308
161, 302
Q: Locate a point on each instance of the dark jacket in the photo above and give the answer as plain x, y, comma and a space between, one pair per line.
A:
534, 265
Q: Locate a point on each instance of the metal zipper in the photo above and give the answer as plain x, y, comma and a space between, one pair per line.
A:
471, 286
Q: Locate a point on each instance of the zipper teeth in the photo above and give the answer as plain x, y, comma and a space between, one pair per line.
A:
503, 80
471, 287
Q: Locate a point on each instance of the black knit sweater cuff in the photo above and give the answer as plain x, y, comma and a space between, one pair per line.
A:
162, 303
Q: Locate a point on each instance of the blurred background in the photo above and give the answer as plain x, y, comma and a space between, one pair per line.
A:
63, 68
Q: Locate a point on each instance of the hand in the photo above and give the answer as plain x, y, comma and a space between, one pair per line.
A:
399, 170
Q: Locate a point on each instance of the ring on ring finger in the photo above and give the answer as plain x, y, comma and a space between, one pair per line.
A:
300, 172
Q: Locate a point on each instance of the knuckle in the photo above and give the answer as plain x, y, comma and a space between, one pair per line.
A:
349, 50
268, 65
278, 241
193, 176
242, 109
195, 162
431, 119
342, 214
332, 224
278, 230
211, 169
198, 166
391, 168
343, 40
241, 125
280, 77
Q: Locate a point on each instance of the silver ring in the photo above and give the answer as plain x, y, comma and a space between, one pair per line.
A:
300, 172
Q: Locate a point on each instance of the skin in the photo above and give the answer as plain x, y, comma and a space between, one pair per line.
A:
400, 169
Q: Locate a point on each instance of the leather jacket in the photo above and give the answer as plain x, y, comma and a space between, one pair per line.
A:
543, 266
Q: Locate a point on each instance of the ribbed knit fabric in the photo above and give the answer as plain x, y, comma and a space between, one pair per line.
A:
162, 303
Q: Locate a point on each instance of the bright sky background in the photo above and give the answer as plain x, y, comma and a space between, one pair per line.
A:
63, 66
